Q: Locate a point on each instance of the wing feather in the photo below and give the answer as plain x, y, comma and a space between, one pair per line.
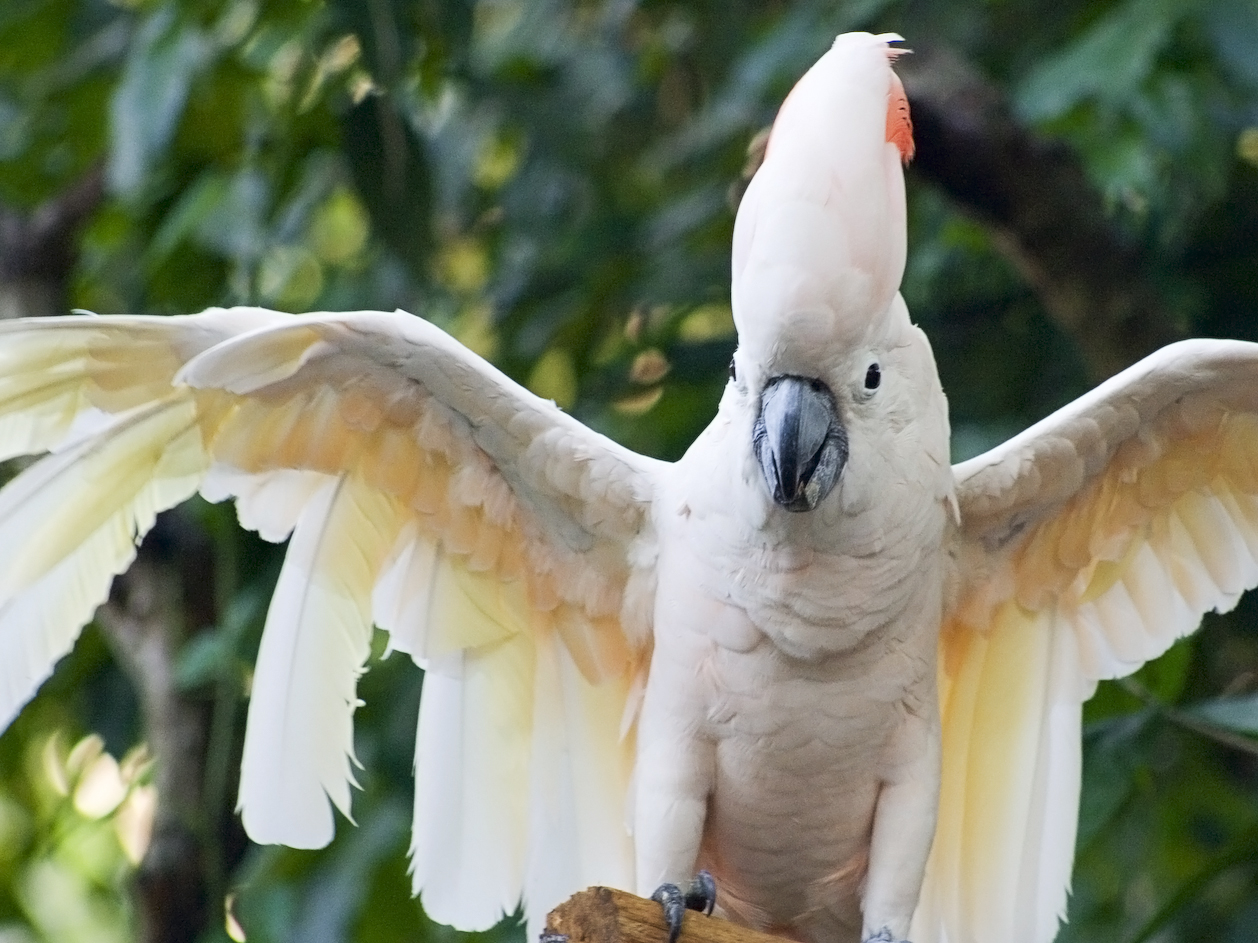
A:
56, 372
505, 546
1088, 545
299, 739
471, 764
71, 522
508, 581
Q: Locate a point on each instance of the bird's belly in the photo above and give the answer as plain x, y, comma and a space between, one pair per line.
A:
791, 809
799, 745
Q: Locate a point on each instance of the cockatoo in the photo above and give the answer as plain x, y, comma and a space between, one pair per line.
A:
811, 657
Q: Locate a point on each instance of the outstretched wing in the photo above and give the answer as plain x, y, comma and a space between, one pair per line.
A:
491, 534
1088, 544
127, 444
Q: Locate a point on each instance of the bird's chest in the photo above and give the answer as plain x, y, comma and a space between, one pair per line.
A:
798, 745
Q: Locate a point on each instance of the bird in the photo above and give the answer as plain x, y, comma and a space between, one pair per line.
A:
811, 657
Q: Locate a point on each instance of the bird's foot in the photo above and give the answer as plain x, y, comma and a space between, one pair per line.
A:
700, 895
883, 936
552, 938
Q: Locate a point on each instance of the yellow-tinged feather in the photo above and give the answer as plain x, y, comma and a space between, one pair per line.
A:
1105, 573
968, 651
271, 357
507, 543
579, 772
70, 522
1000, 767
487, 547
474, 521
390, 462
299, 739
1127, 563
471, 610
471, 757
596, 646
1213, 540
54, 505
46, 380
431, 477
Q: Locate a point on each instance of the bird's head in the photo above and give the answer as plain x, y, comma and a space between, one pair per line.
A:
825, 344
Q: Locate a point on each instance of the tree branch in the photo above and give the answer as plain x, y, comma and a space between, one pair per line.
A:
162, 596
37, 250
607, 915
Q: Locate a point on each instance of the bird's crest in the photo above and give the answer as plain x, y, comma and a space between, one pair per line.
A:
820, 240
899, 122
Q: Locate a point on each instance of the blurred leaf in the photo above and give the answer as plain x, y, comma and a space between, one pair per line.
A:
1111, 752
1108, 61
163, 61
1234, 33
1239, 714
390, 170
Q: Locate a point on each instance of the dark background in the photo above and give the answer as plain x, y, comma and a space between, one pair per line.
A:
553, 181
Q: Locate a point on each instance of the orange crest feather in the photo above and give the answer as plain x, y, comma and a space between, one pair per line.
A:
899, 123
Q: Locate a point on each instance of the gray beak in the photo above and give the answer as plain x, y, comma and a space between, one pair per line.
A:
800, 441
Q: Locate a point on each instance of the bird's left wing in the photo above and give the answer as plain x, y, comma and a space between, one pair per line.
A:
1088, 544
504, 545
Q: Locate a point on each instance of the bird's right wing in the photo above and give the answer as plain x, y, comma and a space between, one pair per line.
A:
1088, 544
504, 545
97, 392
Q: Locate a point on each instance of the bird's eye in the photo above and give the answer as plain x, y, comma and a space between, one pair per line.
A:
733, 370
873, 377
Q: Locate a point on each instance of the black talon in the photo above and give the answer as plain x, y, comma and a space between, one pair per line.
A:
700, 895
670, 897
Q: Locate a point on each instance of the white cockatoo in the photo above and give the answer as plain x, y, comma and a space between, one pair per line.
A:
811, 656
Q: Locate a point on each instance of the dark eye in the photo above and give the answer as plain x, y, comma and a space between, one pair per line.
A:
873, 377
733, 369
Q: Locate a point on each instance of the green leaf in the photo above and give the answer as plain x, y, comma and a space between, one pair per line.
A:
1109, 61
391, 171
150, 99
1112, 757
1239, 714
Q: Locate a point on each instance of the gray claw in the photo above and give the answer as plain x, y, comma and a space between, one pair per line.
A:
883, 936
670, 897
701, 895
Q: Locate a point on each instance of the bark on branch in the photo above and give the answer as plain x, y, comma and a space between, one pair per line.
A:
37, 250
164, 595
1035, 197
607, 915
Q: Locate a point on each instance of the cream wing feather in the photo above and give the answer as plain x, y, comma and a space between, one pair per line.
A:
1087, 545
497, 550
126, 445
491, 534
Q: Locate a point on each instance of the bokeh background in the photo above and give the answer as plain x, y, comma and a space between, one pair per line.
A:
554, 181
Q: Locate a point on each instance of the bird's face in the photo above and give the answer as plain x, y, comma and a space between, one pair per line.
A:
831, 378
853, 418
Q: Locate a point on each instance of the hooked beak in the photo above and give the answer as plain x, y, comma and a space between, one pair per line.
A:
800, 441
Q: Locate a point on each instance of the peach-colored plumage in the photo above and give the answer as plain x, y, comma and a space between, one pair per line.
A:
1089, 544
862, 712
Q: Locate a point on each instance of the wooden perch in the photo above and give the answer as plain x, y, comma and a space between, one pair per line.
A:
606, 915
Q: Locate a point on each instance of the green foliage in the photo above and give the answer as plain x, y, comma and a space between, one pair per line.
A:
551, 181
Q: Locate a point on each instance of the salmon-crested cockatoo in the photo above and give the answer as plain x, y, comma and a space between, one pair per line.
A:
810, 657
